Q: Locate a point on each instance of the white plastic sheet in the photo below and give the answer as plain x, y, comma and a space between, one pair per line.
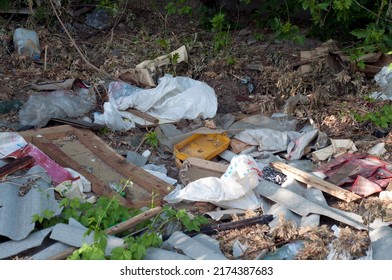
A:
234, 189
174, 98
384, 81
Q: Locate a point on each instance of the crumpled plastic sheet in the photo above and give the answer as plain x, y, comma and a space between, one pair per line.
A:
234, 189
41, 107
273, 141
384, 80
174, 98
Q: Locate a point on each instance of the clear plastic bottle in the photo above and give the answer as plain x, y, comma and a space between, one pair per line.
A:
26, 42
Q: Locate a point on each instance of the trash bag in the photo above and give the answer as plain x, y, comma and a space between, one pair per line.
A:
234, 189
41, 107
383, 80
174, 98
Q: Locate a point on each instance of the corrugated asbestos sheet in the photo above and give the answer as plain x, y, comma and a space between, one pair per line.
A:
17, 210
74, 234
11, 248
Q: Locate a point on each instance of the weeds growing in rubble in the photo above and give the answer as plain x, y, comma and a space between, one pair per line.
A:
151, 139
381, 118
107, 212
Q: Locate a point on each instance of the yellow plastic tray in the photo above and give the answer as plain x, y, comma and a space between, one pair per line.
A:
204, 146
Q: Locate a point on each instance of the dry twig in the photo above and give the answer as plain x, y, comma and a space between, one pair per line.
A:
75, 45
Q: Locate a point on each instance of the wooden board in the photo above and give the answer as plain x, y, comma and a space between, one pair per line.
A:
315, 182
86, 153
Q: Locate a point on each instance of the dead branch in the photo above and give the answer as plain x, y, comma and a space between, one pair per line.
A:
75, 45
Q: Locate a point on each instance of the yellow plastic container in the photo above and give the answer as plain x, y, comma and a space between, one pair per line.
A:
204, 146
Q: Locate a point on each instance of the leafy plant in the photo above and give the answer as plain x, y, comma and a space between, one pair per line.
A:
286, 31
220, 28
381, 118
178, 7
191, 223
107, 212
46, 215
173, 62
151, 139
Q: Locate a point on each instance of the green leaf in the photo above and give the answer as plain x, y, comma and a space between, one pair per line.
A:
323, 6
359, 33
36, 218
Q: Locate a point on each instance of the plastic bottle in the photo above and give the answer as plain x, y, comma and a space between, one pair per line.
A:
26, 42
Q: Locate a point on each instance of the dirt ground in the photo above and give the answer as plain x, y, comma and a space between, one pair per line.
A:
143, 33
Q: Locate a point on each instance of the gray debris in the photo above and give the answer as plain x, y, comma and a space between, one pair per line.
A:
191, 247
136, 159
16, 212
208, 242
75, 236
161, 254
227, 155
50, 251
11, 248
304, 207
381, 243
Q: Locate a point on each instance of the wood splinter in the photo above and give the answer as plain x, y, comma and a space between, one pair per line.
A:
15, 165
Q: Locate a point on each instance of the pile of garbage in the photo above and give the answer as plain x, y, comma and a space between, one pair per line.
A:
282, 175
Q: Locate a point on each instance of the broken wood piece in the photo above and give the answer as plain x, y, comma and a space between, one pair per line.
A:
15, 165
78, 123
238, 146
315, 182
143, 115
121, 227
136, 174
207, 164
54, 152
89, 155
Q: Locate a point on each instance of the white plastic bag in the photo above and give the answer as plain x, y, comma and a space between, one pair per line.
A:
384, 81
174, 98
233, 190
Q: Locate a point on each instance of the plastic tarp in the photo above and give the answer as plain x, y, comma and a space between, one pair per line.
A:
174, 98
273, 141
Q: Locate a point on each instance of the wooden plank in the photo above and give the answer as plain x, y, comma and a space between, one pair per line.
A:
50, 133
132, 222
15, 165
78, 123
54, 152
121, 227
130, 171
315, 182
143, 115
207, 164
238, 146
98, 148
